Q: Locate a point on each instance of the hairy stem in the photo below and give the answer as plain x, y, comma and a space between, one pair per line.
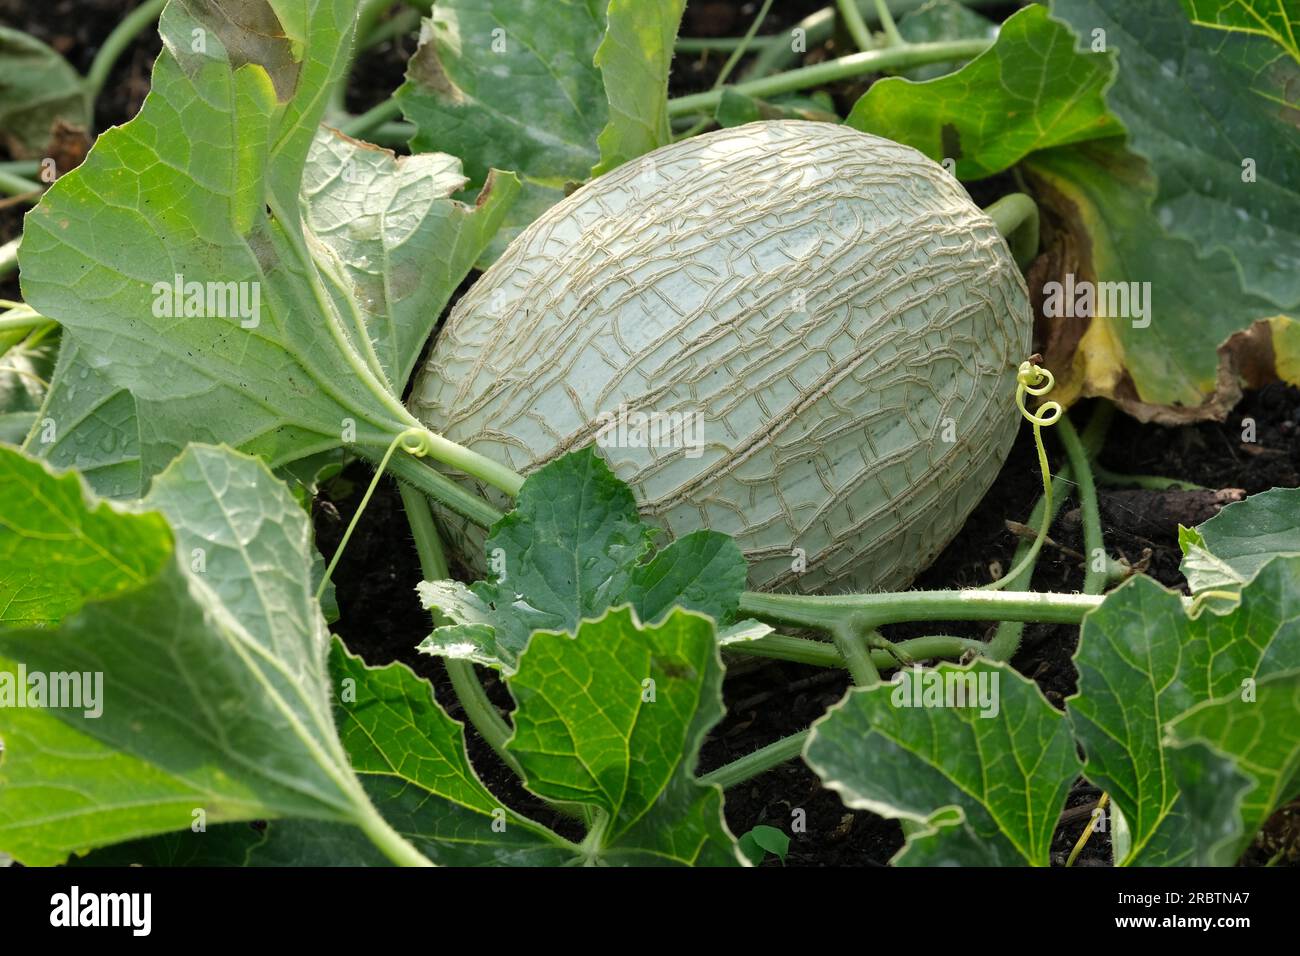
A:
801, 650
442, 489
877, 610
850, 637
760, 761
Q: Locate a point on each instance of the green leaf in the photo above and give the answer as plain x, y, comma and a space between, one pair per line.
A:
1241, 539
612, 719
1213, 112
1143, 662
1029, 91
1201, 568
283, 348
57, 554
939, 21
512, 85
976, 785
411, 758
37, 89
90, 424
574, 547
634, 59
763, 840
401, 242
1275, 19
1166, 358
212, 692
1253, 736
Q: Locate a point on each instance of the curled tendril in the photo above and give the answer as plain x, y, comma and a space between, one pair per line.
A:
1028, 379
1034, 380
416, 442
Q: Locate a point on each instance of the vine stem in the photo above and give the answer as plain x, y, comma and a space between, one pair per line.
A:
876, 610
1006, 640
850, 640
739, 51
442, 489
912, 54
483, 716
12, 184
851, 16
1116, 479
359, 126
892, 36
801, 650
21, 319
1094, 581
760, 761
389, 841
115, 45
1016, 218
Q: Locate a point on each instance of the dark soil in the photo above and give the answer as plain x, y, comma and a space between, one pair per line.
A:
382, 620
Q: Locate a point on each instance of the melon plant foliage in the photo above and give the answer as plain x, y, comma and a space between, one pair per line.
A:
230, 296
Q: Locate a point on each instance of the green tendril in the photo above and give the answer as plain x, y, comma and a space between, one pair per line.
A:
1034, 380
416, 442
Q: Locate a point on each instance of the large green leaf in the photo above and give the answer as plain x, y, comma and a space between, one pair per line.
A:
1213, 112
975, 785
1143, 662
1231, 547
513, 85
555, 91
1029, 91
612, 719
37, 90
634, 59
1253, 735
205, 183
573, 547
215, 692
